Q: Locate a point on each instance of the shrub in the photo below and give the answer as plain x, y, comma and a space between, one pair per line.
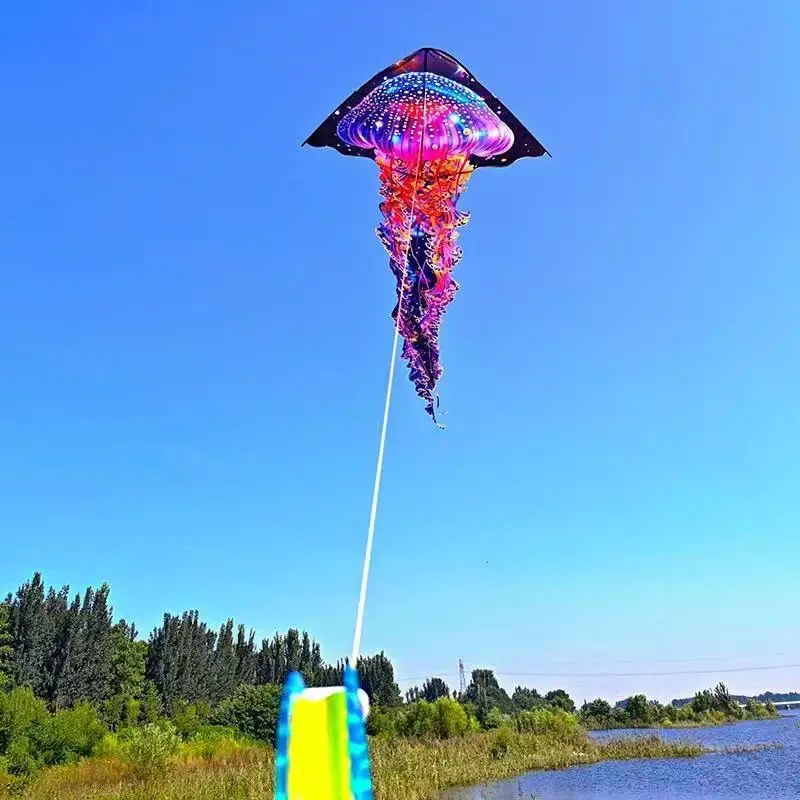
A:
552, 722
150, 749
419, 720
70, 735
22, 719
495, 718
383, 723
501, 742
449, 719
189, 718
252, 711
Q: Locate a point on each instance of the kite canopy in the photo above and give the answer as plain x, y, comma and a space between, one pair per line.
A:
438, 63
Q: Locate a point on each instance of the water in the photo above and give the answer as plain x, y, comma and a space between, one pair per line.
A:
766, 775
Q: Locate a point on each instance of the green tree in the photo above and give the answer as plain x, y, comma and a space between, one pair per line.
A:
83, 648
558, 698
70, 735
252, 711
525, 699
29, 634
419, 720
246, 657
23, 717
414, 694
127, 658
486, 693
725, 703
703, 701
152, 706
6, 646
290, 652
449, 718
598, 708
225, 664
189, 718
180, 659
434, 688
638, 708
376, 674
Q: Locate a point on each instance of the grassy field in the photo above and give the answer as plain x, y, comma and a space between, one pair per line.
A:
403, 769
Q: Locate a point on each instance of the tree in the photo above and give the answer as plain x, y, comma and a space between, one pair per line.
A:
289, 652
152, 706
376, 674
180, 659
702, 702
28, 633
128, 659
434, 688
485, 693
245, 650
597, 708
724, 702
225, 664
252, 711
526, 699
638, 708
558, 698
6, 646
414, 694
61, 648
83, 640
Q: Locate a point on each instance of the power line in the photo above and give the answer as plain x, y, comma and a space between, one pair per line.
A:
625, 674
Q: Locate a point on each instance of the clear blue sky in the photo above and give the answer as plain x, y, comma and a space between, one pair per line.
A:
194, 332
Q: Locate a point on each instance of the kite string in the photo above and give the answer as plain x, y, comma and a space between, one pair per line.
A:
376, 488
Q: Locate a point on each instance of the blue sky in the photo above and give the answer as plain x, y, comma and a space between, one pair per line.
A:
194, 332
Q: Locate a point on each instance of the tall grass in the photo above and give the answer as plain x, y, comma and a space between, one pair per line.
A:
404, 769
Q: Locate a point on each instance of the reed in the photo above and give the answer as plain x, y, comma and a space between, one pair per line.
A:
404, 769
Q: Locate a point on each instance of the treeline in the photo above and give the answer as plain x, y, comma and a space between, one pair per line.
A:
74, 682
68, 649
764, 697
708, 707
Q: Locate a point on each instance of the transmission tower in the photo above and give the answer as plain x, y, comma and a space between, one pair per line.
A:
462, 681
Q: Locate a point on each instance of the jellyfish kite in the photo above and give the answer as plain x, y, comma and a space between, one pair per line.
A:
428, 124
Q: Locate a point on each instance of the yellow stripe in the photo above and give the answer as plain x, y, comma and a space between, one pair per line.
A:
319, 765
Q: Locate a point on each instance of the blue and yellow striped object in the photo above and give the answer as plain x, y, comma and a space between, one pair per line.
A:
322, 751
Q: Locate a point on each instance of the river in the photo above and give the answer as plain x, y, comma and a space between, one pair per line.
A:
772, 774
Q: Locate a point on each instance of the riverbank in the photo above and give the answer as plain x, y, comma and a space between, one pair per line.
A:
669, 725
404, 769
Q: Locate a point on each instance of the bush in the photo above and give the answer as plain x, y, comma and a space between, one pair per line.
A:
501, 742
449, 719
382, 722
70, 735
22, 720
419, 720
120, 712
150, 749
495, 718
109, 745
252, 711
552, 722
189, 718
